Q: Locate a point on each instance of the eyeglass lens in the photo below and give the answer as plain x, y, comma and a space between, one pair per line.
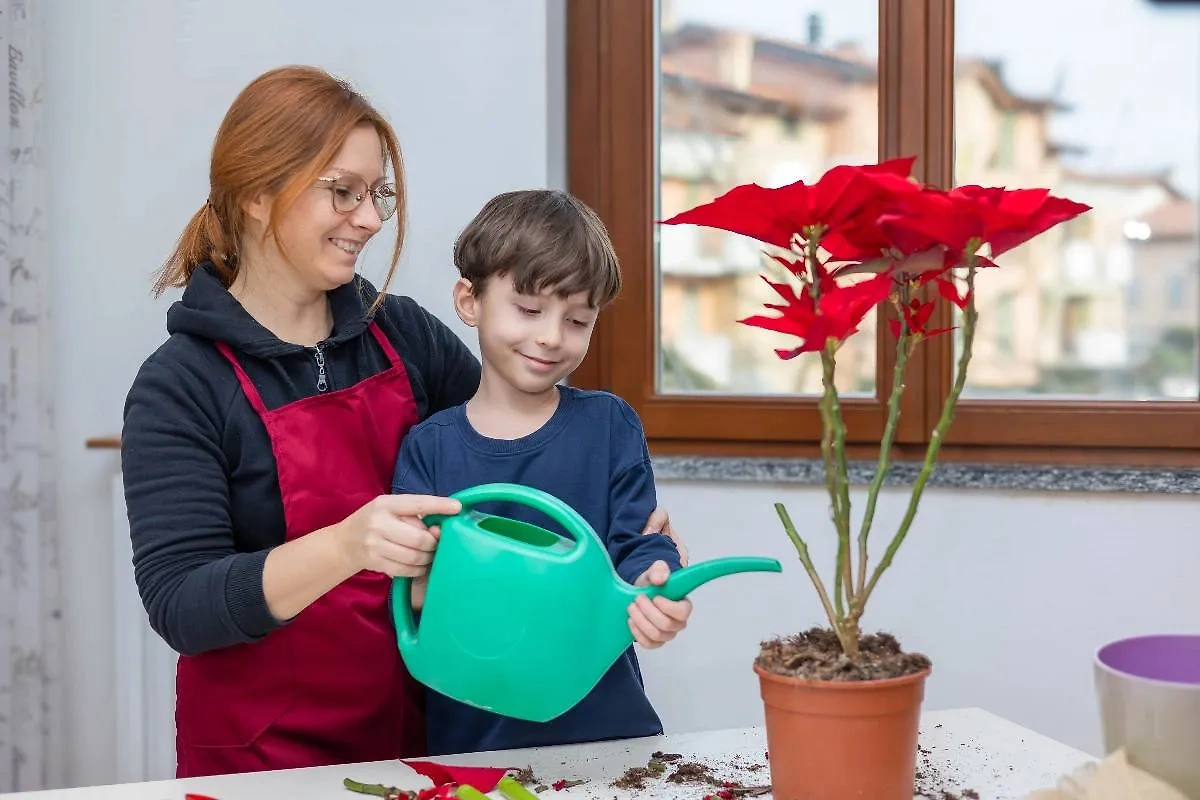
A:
349, 192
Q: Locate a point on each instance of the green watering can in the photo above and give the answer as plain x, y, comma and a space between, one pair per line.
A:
520, 621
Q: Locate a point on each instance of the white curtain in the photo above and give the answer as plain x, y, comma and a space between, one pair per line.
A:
30, 596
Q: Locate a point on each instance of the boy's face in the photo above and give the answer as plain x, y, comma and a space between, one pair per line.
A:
531, 342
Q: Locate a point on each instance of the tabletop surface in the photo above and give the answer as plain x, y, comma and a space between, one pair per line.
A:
965, 753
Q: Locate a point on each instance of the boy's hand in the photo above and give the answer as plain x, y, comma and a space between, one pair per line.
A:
656, 622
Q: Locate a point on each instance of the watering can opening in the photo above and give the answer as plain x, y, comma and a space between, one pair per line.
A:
523, 532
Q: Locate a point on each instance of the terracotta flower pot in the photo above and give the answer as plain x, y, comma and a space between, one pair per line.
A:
832, 740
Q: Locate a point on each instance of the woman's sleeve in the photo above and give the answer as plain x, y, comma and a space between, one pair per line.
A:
450, 368
199, 592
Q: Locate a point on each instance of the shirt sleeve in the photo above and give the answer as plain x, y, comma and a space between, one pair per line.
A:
452, 368
199, 591
632, 498
414, 465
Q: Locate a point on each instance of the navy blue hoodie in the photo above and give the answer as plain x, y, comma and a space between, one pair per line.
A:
200, 482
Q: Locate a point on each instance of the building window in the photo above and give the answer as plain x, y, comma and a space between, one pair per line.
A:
878, 79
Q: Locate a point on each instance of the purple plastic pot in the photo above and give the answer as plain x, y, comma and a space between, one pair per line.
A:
1148, 689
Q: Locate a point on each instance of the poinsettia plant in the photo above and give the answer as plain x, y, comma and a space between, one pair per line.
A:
858, 237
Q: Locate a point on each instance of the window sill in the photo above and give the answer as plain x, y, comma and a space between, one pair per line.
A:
953, 475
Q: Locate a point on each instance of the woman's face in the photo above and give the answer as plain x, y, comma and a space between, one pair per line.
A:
321, 243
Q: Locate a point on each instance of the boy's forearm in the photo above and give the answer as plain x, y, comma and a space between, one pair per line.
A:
643, 551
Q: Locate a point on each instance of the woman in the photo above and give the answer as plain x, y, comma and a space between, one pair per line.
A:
259, 442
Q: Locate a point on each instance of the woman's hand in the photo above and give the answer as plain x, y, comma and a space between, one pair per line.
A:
660, 522
387, 535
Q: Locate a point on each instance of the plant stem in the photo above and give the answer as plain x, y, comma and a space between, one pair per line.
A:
802, 551
836, 512
903, 350
831, 487
375, 789
970, 315
844, 572
512, 790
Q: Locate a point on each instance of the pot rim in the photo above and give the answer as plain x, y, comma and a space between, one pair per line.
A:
845, 686
1098, 662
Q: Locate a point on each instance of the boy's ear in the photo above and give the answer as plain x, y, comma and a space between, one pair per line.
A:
466, 304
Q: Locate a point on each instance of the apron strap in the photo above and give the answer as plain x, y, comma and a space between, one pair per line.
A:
248, 387
386, 345
251, 391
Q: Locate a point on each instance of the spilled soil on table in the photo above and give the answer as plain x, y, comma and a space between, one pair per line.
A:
816, 654
526, 778
935, 778
673, 768
935, 782
932, 780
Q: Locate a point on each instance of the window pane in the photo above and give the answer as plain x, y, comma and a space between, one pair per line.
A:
1103, 108
765, 91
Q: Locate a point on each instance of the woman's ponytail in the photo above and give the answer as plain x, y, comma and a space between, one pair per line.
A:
206, 238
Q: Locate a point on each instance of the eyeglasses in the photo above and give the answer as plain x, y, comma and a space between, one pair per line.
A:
348, 192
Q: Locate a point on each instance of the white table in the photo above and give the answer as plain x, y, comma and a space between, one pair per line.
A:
965, 749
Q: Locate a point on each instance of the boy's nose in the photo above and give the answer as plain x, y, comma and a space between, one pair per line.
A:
549, 336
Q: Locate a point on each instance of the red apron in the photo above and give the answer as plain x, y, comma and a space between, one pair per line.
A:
328, 687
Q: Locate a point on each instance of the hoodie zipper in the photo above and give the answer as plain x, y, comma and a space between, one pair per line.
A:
319, 355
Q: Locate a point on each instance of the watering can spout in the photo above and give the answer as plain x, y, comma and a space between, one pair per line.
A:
685, 581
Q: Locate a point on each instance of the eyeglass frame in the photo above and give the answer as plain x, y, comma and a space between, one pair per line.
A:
359, 197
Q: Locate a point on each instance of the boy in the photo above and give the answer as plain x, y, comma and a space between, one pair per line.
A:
535, 269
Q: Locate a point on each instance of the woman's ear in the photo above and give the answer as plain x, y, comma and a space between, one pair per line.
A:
258, 210
466, 304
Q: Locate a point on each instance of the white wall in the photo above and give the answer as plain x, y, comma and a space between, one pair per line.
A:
135, 91
1008, 593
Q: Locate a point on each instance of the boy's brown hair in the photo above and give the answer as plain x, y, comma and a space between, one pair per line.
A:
544, 238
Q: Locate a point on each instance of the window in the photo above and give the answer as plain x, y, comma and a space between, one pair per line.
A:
673, 105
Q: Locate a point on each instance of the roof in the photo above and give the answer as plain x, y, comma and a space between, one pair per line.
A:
1131, 179
839, 67
1176, 218
990, 74
848, 70
746, 101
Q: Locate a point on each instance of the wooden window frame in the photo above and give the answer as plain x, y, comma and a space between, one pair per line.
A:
611, 71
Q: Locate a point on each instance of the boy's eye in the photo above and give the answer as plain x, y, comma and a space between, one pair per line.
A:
580, 323
526, 310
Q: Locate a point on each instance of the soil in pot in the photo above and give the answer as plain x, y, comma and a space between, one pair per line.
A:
816, 655
838, 728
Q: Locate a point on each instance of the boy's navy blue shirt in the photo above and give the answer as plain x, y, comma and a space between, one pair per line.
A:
592, 455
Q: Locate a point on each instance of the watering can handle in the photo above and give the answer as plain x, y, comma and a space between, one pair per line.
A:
548, 504
536, 499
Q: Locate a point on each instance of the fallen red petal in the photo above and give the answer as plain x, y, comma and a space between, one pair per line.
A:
482, 778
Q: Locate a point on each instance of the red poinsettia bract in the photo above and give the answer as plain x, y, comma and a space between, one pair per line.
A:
833, 317
774, 216
1000, 218
875, 219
